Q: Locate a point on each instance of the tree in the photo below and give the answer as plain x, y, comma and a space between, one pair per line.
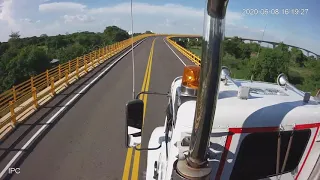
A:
182, 43
245, 51
232, 46
191, 43
3, 47
297, 57
71, 52
22, 57
254, 47
136, 34
149, 32
14, 35
116, 34
37, 60
270, 63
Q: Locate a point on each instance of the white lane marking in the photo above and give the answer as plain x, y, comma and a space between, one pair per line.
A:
61, 110
174, 52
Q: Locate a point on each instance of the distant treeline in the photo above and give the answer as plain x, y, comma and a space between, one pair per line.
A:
21, 58
248, 60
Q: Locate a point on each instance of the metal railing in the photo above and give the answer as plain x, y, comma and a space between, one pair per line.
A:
194, 58
28, 94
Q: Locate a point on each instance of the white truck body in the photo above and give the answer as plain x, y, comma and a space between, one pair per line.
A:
269, 108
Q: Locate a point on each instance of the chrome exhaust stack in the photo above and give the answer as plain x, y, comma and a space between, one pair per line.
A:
196, 166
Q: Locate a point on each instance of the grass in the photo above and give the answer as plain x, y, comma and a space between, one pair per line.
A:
304, 72
196, 51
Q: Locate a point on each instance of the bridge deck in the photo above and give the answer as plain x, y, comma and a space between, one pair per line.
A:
86, 140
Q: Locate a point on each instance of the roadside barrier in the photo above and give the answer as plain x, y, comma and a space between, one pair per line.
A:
21, 100
194, 58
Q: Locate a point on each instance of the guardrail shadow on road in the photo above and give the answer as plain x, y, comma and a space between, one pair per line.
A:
16, 136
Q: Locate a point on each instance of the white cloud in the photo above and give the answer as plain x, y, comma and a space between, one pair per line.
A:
6, 12
30, 21
166, 9
62, 7
144, 8
115, 21
77, 18
62, 17
26, 20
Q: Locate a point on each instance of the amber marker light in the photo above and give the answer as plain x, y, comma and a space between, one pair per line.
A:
191, 77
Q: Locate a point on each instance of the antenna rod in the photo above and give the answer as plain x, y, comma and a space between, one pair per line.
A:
255, 63
261, 39
196, 165
133, 78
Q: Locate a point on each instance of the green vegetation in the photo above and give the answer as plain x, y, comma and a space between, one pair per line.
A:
265, 64
196, 50
21, 58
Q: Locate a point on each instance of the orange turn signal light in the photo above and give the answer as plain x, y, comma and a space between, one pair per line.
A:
191, 76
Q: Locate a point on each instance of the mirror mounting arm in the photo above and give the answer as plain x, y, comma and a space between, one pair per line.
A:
149, 92
147, 149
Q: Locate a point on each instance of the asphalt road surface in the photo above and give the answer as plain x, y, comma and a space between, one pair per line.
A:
85, 139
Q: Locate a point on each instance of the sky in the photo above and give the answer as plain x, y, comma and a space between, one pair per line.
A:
52, 17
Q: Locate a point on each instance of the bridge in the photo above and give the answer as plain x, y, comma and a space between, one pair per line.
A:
274, 44
68, 122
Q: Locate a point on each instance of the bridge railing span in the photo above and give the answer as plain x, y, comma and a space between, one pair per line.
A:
16, 102
194, 58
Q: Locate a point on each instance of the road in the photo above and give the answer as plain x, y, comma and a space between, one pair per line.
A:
85, 138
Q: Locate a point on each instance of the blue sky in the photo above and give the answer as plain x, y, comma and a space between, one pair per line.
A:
35, 17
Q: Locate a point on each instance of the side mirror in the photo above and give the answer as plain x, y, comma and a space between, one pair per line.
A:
134, 119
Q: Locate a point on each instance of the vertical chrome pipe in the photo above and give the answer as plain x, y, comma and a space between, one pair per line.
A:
214, 27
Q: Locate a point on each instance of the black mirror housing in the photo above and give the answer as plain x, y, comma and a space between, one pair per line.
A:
134, 113
134, 120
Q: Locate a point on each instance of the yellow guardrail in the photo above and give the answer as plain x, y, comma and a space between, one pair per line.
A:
194, 58
29, 94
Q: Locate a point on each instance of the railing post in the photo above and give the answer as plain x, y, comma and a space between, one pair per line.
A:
31, 82
69, 63
47, 75
85, 63
14, 92
99, 54
91, 59
77, 67
59, 67
108, 51
95, 55
66, 77
34, 95
52, 86
13, 115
